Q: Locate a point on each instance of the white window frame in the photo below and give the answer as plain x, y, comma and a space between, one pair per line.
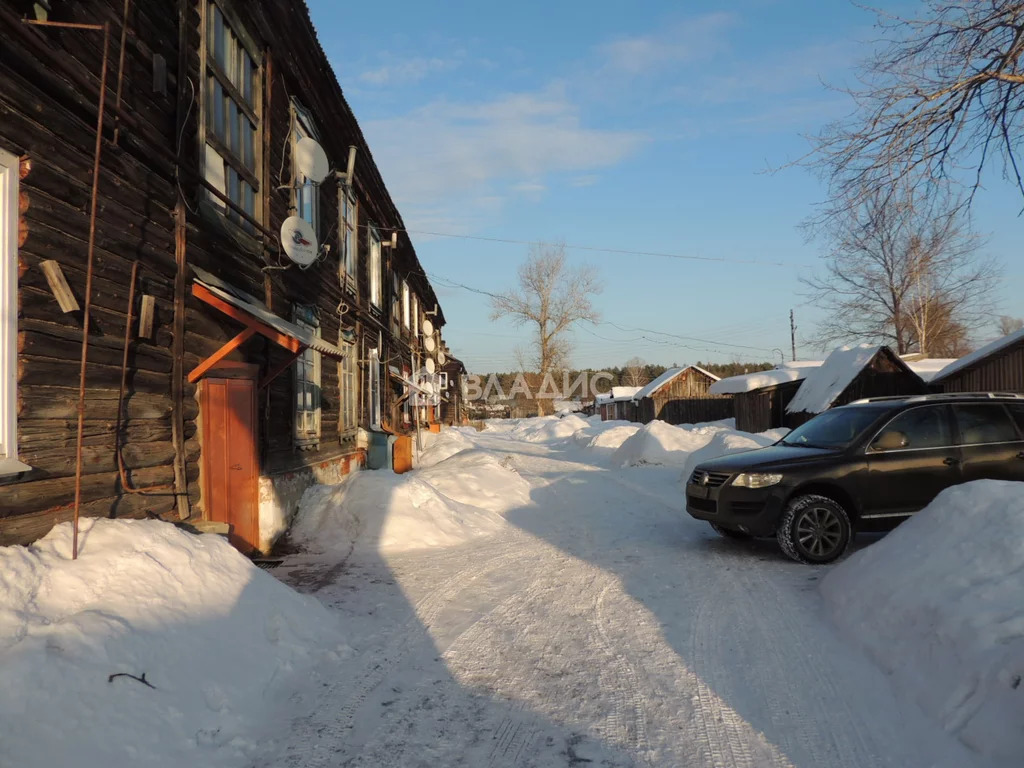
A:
10, 167
307, 373
376, 272
373, 388
303, 128
406, 306
442, 381
348, 238
415, 316
348, 390
218, 156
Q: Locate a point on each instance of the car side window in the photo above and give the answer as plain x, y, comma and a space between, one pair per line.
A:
1017, 411
924, 427
982, 423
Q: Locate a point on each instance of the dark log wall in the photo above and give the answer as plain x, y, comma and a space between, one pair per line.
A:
764, 409
685, 400
48, 113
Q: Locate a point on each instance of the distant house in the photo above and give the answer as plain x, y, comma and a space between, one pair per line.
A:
852, 373
680, 396
996, 367
617, 404
760, 398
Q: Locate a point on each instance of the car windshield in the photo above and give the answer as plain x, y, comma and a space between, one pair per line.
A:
834, 429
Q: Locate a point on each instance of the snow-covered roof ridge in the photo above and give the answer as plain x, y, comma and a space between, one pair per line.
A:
826, 383
652, 387
616, 394
979, 354
748, 382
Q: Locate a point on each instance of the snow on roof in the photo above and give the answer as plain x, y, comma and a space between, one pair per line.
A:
665, 378
617, 394
979, 354
928, 368
748, 382
824, 384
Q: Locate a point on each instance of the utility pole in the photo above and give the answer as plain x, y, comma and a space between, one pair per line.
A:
792, 333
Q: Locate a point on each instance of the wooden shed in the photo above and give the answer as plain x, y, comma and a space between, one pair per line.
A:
681, 396
852, 373
618, 404
760, 398
996, 367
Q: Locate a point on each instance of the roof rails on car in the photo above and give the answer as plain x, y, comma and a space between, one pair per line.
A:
942, 396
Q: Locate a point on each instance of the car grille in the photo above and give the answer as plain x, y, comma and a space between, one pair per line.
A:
702, 505
710, 479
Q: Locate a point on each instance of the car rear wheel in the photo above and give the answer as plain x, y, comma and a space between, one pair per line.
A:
730, 533
814, 529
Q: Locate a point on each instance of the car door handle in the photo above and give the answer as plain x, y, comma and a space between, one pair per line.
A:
950, 461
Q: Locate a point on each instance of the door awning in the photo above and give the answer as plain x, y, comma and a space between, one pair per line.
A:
257, 319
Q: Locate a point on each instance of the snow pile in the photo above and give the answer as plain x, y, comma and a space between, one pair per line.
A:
937, 604
219, 640
729, 441
438, 446
604, 437
930, 367
454, 501
661, 443
547, 429
823, 385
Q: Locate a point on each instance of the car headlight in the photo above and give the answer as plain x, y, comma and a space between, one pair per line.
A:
757, 479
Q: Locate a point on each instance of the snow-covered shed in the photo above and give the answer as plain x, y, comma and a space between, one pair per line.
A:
681, 396
617, 404
996, 367
760, 398
852, 373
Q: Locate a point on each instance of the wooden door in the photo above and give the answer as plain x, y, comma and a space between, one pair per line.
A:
230, 465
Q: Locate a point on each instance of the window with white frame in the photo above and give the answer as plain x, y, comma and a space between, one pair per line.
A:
442, 381
231, 105
348, 237
376, 299
348, 386
307, 192
307, 383
406, 305
9, 172
373, 388
415, 316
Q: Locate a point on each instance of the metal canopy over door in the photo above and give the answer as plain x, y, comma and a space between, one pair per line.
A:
230, 463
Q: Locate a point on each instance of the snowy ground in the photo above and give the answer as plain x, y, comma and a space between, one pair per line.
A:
598, 624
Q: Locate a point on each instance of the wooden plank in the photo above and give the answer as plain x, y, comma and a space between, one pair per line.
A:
59, 286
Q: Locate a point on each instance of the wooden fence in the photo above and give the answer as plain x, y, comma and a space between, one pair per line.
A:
691, 410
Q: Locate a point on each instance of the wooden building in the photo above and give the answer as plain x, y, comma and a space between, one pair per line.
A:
852, 373
154, 173
996, 367
682, 396
617, 404
760, 398
454, 407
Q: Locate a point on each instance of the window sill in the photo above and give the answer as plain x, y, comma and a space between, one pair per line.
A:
12, 467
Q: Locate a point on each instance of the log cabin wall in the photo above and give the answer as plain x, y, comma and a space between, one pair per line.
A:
154, 210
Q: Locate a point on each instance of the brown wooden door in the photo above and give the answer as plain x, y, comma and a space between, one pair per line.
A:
230, 466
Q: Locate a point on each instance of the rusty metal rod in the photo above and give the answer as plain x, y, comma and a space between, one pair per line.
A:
66, 25
120, 71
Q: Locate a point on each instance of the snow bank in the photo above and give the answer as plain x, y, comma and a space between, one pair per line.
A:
220, 640
662, 443
937, 604
454, 501
438, 446
547, 429
728, 441
604, 437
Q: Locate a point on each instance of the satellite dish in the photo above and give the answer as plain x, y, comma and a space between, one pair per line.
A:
311, 160
299, 241
429, 365
428, 343
442, 358
428, 328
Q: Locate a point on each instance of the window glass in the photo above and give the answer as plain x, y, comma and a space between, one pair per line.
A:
375, 270
1017, 411
984, 423
925, 427
836, 428
349, 241
307, 193
348, 384
307, 383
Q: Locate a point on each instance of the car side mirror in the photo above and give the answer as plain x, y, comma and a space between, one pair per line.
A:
890, 441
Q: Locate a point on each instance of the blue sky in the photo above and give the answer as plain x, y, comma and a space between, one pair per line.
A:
645, 127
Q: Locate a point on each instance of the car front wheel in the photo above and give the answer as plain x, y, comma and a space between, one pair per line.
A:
814, 529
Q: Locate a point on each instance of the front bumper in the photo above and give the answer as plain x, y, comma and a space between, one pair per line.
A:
752, 510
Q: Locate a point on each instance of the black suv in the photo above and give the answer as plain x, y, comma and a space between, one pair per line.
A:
866, 466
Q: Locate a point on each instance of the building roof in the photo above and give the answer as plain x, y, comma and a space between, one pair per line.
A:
825, 384
665, 378
929, 367
978, 355
617, 394
748, 382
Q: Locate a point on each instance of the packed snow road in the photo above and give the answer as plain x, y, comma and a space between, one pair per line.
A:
599, 625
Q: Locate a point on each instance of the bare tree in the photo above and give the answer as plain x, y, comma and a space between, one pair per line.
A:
1008, 325
941, 97
634, 373
901, 275
550, 297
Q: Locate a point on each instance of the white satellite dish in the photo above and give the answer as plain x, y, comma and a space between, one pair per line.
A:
428, 328
428, 343
299, 241
429, 365
311, 160
442, 358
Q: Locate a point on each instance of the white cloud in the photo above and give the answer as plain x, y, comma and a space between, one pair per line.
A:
689, 40
406, 71
586, 180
